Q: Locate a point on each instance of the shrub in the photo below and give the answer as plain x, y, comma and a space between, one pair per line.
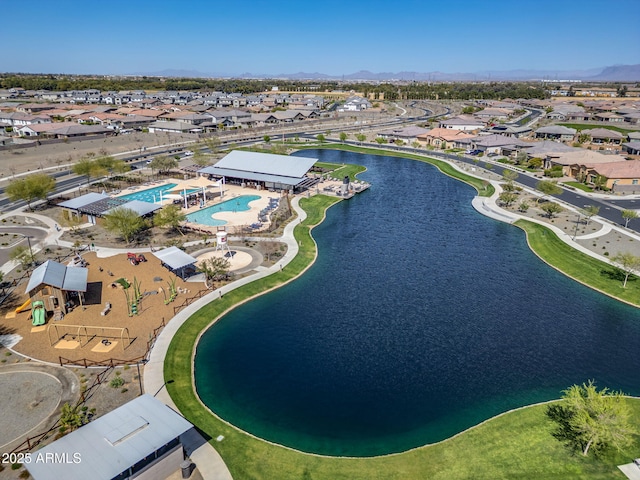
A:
116, 382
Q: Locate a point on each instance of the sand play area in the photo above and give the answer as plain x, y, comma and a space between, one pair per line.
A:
105, 336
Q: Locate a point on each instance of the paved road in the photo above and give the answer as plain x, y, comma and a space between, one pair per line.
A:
610, 208
33, 235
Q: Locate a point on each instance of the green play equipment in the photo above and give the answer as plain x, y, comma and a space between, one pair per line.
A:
38, 313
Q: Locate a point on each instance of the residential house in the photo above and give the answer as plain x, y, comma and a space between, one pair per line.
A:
579, 116
576, 163
609, 117
603, 135
509, 130
462, 122
443, 138
495, 144
173, 127
556, 132
262, 119
496, 114
354, 104
406, 134
622, 177
632, 148
19, 119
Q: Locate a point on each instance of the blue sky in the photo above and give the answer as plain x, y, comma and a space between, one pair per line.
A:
333, 37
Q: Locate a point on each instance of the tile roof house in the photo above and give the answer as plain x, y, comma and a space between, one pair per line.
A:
576, 163
407, 134
556, 132
622, 177
506, 130
443, 137
604, 135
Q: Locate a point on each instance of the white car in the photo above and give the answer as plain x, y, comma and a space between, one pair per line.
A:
188, 153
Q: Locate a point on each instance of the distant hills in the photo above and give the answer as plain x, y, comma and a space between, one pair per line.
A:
616, 73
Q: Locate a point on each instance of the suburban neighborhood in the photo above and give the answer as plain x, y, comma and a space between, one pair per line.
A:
583, 143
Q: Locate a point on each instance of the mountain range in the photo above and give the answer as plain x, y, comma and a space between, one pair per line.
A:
616, 73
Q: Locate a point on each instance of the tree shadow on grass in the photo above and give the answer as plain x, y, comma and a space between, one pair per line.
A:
617, 275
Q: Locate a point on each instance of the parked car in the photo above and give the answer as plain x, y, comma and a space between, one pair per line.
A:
188, 153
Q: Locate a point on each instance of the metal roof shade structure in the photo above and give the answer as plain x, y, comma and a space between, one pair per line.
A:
138, 206
266, 167
175, 259
111, 444
73, 279
83, 200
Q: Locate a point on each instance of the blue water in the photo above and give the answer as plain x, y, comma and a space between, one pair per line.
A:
151, 195
419, 319
238, 204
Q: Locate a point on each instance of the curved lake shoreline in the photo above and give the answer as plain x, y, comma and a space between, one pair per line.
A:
553, 391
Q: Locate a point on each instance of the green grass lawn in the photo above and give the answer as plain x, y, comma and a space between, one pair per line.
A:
484, 188
339, 170
579, 266
580, 186
581, 126
517, 444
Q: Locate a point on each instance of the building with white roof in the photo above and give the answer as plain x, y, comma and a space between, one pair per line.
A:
140, 439
263, 170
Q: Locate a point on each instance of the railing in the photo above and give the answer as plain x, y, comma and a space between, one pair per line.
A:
190, 300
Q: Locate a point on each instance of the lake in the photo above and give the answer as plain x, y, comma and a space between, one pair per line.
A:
419, 319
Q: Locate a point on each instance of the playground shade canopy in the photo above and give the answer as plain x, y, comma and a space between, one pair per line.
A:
73, 279
175, 259
131, 436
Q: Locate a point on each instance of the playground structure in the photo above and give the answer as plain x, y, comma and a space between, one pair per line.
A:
88, 333
38, 313
25, 306
107, 309
135, 259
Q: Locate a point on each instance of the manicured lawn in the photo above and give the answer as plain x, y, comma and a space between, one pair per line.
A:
341, 170
582, 126
515, 445
484, 188
579, 266
579, 185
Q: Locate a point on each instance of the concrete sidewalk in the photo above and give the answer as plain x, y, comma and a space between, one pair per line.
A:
204, 455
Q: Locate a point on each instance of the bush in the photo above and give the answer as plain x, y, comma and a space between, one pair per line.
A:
554, 172
116, 382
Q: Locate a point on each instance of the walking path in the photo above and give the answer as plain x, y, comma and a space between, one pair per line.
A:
207, 459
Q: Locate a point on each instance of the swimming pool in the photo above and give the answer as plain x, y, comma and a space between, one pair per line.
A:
152, 195
238, 204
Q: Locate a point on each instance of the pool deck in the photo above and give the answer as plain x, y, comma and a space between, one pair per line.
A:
235, 221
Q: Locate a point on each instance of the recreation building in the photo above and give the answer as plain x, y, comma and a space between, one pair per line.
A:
264, 171
140, 439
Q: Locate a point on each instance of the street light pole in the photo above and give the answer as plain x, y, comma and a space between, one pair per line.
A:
30, 249
162, 386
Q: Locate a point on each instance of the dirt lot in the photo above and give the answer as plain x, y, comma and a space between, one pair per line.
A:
53, 156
